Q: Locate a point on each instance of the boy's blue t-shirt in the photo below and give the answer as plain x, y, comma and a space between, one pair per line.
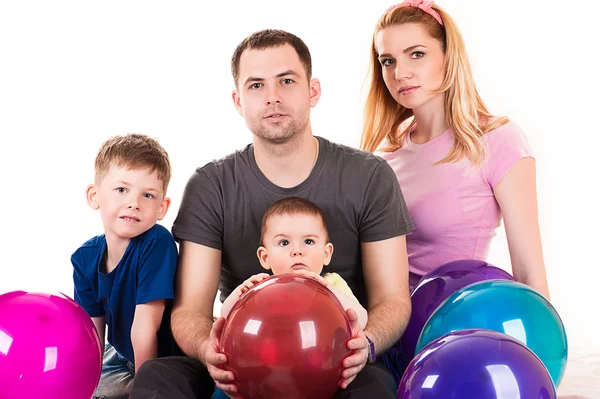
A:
145, 273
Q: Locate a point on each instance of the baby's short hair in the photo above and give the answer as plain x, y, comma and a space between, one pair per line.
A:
133, 151
293, 206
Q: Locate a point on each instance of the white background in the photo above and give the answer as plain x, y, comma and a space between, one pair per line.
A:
73, 73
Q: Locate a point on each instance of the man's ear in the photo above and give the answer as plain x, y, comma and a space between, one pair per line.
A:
237, 102
91, 194
315, 91
263, 257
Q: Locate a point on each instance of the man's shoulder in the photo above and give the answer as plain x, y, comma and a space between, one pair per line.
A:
350, 156
226, 163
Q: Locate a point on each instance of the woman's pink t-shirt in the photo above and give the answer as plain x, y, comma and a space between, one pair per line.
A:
453, 204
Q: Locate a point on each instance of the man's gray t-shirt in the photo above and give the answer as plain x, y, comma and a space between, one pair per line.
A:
225, 200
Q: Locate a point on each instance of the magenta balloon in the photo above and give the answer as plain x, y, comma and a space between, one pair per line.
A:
49, 347
438, 285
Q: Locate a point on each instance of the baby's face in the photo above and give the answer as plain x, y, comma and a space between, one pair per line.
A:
296, 242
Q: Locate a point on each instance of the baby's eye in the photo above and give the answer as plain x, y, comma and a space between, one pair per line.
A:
309, 241
284, 243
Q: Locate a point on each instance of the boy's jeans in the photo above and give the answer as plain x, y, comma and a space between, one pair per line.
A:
117, 376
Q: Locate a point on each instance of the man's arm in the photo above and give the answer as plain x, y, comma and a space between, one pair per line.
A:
385, 267
196, 287
192, 324
146, 323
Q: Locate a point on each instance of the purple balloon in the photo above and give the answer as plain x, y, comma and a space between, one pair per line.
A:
476, 364
49, 347
438, 285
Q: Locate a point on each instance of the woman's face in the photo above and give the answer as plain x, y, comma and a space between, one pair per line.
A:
412, 63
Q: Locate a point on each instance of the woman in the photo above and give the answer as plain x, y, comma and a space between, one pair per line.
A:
461, 169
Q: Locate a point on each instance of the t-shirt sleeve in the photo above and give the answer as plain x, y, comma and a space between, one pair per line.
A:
200, 217
156, 270
84, 294
384, 212
505, 146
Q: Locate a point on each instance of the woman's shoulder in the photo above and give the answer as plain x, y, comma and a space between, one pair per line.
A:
509, 132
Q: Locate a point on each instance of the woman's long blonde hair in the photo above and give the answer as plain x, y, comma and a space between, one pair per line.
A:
466, 114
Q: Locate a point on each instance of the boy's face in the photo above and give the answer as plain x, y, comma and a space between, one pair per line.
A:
130, 201
295, 242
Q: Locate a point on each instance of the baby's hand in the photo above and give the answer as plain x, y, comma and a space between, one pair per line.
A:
312, 275
251, 282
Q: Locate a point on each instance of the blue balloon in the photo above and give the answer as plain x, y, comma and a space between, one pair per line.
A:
476, 364
510, 308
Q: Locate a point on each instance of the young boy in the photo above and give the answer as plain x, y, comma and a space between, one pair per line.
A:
124, 277
295, 239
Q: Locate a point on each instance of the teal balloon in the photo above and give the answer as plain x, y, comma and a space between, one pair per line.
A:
508, 307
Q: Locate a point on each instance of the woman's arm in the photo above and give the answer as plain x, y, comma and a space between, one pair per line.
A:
516, 194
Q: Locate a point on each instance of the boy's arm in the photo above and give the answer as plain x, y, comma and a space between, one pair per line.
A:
239, 291
347, 301
229, 302
100, 324
350, 302
146, 323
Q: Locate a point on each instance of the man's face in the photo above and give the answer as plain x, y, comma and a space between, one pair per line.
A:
274, 95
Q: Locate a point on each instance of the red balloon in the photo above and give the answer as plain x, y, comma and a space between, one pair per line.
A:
286, 338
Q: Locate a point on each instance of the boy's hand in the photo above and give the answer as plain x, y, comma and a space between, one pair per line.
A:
251, 282
312, 275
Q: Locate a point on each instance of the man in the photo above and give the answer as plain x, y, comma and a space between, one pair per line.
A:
218, 226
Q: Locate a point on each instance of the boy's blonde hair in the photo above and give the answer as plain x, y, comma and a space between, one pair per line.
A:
133, 151
466, 114
293, 206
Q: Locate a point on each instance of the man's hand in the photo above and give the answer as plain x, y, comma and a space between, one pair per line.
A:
214, 359
359, 355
